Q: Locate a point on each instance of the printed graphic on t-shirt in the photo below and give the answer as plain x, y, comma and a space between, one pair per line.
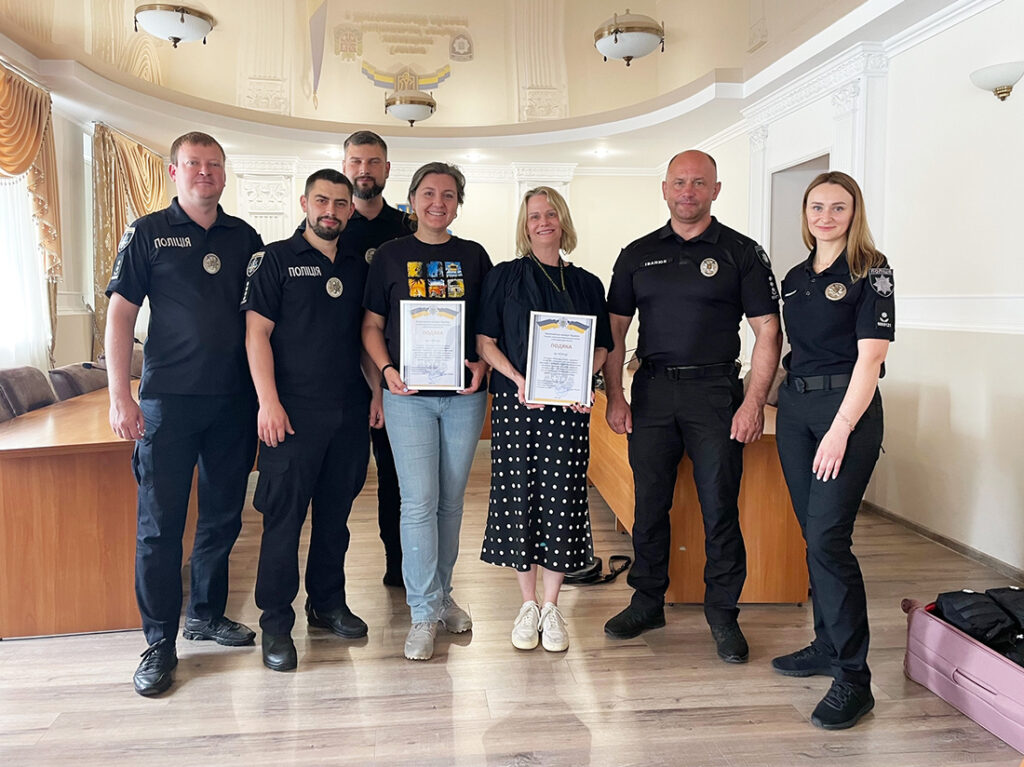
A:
414, 268
453, 269
435, 269
417, 288
456, 288
435, 279
437, 289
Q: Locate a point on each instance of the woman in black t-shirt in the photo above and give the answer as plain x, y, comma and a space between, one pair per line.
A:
433, 433
538, 518
838, 310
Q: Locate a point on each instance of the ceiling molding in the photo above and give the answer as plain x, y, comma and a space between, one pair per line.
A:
936, 24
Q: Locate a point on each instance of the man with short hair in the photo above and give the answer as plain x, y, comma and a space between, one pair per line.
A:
373, 223
195, 405
691, 281
303, 311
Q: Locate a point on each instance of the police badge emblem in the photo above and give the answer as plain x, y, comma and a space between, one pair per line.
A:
835, 292
211, 263
254, 264
126, 238
761, 254
334, 287
881, 281
369, 255
709, 267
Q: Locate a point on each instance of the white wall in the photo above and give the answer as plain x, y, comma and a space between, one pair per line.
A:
955, 160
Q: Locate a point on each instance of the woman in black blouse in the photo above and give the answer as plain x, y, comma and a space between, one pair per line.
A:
838, 310
539, 519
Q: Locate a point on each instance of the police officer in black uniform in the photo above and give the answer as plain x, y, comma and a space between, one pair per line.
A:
373, 223
303, 307
839, 312
196, 402
691, 281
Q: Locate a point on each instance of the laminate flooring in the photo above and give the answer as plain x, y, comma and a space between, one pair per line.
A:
663, 698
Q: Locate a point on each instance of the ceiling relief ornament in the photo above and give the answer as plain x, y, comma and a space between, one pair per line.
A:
348, 42
406, 78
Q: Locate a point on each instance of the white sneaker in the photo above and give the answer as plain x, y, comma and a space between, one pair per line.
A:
454, 618
524, 630
419, 644
553, 632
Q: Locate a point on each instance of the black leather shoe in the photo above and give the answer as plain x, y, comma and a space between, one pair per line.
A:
221, 630
730, 642
279, 652
809, 661
155, 673
843, 706
340, 621
632, 622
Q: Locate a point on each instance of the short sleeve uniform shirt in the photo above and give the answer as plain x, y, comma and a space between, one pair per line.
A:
316, 307
826, 314
193, 278
691, 294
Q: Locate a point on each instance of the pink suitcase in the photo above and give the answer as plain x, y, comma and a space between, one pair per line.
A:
973, 678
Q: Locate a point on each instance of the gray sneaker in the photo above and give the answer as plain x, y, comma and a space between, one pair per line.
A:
524, 630
454, 618
554, 635
419, 644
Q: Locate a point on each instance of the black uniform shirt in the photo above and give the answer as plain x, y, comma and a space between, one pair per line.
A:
364, 235
826, 314
691, 294
316, 338
193, 278
515, 288
406, 268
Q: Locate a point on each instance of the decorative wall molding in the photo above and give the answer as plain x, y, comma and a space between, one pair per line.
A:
251, 164
266, 95
936, 24
862, 60
551, 172
657, 172
265, 195
964, 314
541, 73
845, 98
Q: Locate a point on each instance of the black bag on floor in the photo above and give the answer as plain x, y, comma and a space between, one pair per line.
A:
591, 574
1011, 599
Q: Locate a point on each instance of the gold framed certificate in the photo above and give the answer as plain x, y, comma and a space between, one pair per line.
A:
560, 358
432, 349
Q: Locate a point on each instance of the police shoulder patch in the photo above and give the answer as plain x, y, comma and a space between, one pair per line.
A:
118, 263
254, 264
126, 238
881, 281
761, 254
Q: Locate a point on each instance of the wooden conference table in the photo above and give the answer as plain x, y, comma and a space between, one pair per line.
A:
67, 521
776, 565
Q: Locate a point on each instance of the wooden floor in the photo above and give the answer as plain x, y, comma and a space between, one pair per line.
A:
661, 699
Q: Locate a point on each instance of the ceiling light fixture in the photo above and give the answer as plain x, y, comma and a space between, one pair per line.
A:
410, 105
629, 36
999, 78
176, 23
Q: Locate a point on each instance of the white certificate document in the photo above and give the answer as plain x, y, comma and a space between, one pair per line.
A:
433, 344
560, 358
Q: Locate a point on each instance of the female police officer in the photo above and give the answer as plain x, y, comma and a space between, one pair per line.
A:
838, 311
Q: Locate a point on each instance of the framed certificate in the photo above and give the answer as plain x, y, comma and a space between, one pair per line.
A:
433, 344
560, 358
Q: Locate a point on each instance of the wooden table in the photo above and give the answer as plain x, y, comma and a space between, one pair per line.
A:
67, 521
776, 565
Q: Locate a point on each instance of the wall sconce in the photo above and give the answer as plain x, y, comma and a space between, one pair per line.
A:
998, 78
176, 23
410, 105
629, 36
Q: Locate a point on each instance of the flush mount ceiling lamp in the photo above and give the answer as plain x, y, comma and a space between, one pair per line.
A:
176, 23
629, 36
410, 105
999, 78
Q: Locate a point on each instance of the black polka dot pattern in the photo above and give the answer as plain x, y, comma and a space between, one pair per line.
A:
538, 511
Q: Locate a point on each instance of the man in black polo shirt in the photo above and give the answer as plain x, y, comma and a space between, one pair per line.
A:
691, 281
303, 309
373, 223
196, 403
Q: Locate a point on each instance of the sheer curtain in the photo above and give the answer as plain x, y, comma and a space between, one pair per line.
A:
24, 312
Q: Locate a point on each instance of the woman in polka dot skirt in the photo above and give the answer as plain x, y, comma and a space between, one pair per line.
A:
538, 520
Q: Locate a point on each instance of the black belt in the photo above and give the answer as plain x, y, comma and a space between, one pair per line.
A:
817, 383
683, 372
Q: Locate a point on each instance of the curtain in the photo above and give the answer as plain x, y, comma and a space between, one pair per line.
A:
128, 181
27, 147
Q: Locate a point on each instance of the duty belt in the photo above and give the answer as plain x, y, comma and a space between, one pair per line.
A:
683, 372
817, 383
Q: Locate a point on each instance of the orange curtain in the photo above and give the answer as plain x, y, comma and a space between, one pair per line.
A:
26, 146
128, 181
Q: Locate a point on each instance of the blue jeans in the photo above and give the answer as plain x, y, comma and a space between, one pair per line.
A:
433, 440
